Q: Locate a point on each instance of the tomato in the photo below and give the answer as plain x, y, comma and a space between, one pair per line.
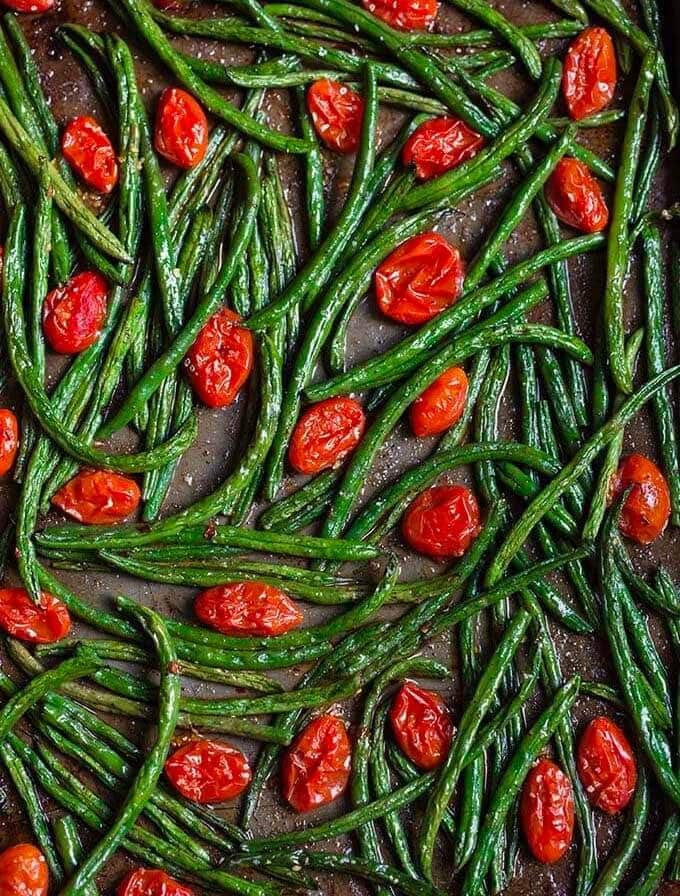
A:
247, 608
442, 521
30, 6
208, 771
576, 196
325, 434
23, 871
41, 623
645, 513
220, 360
589, 75
441, 404
90, 153
315, 768
73, 314
421, 725
98, 496
9, 440
148, 882
181, 134
419, 279
440, 144
606, 765
337, 113
406, 15
547, 811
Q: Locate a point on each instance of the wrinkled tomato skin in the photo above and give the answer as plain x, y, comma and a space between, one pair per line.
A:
247, 608
74, 314
547, 812
151, 882
606, 765
9, 440
208, 771
646, 510
42, 623
442, 522
98, 497
23, 871
441, 404
440, 144
90, 154
315, 768
181, 134
419, 279
337, 112
219, 362
576, 196
325, 434
421, 725
29, 6
589, 74
404, 15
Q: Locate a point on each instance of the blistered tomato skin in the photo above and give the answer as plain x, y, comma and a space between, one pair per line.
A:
181, 134
421, 725
151, 882
74, 314
547, 812
606, 765
440, 144
337, 112
219, 362
42, 623
90, 153
589, 74
442, 522
647, 509
23, 871
29, 6
98, 497
9, 440
248, 608
441, 404
576, 196
325, 434
315, 768
208, 771
404, 15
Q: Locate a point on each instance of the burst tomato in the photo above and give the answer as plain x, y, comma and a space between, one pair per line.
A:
41, 623
645, 513
23, 871
73, 314
421, 725
442, 521
606, 765
440, 144
589, 76
208, 771
406, 15
576, 196
325, 434
220, 360
247, 608
29, 6
337, 113
98, 496
181, 134
441, 404
90, 153
150, 882
547, 811
315, 768
9, 440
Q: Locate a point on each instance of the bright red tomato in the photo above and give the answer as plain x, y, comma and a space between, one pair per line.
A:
645, 513
325, 434
9, 440
181, 134
98, 496
406, 15
220, 360
441, 404
30, 6
90, 153
440, 144
589, 76
419, 279
208, 771
547, 811
606, 765
42, 623
315, 768
73, 314
576, 196
247, 608
337, 113
421, 725
23, 871
148, 882
442, 521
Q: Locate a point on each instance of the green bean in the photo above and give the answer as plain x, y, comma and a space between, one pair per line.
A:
288, 509
648, 881
70, 847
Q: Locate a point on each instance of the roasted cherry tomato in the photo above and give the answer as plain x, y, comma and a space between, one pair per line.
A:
30, 6
421, 725
181, 134
90, 153
645, 513
441, 404
406, 15
442, 521
576, 196
220, 360
23, 871
589, 76
98, 496
337, 113
547, 811
9, 440
41, 623
247, 608
606, 765
325, 434
150, 882
208, 771
419, 279
440, 144
73, 314
315, 768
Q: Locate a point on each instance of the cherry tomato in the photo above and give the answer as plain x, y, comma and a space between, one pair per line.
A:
247, 608
73, 314
42, 623
220, 360
441, 404
589, 76
208, 771
576, 196
337, 113
442, 521
30, 6
547, 811
90, 153
440, 144
315, 768
419, 279
9, 440
98, 496
645, 513
606, 765
325, 434
181, 134
406, 15
421, 725
23, 871
148, 882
